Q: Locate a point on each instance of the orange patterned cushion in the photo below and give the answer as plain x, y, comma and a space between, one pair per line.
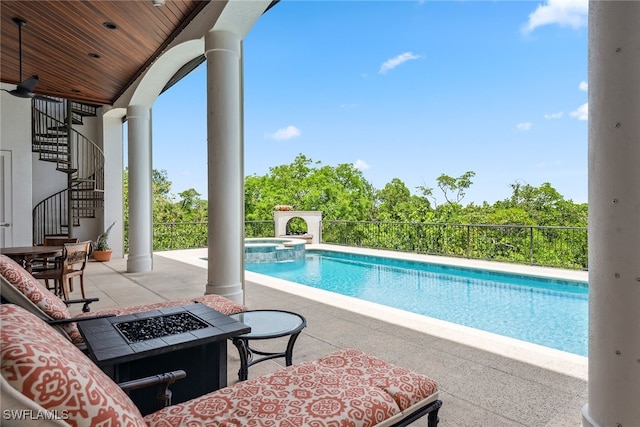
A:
409, 389
221, 304
38, 294
345, 388
217, 302
47, 369
138, 308
56, 309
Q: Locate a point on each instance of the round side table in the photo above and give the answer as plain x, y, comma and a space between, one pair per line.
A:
266, 324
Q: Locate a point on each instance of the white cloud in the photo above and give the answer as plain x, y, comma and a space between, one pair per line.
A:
567, 13
361, 164
285, 133
394, 62
353, 105
524, 126
583, 86
552, 116
582, 113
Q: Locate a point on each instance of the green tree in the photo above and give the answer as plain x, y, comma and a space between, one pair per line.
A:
341, 192
454, 189
546, 206
164, 208
396, 203
191, 207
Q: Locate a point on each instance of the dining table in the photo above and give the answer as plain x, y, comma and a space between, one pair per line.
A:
26, 254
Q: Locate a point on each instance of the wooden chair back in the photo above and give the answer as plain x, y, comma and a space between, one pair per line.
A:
46, 263
59, 240
75, 256
71, 264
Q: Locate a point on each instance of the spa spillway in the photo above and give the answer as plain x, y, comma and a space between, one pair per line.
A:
259, 250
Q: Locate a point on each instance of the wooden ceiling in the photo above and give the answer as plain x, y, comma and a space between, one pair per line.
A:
68, 45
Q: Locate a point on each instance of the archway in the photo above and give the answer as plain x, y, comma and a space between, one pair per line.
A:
311, 218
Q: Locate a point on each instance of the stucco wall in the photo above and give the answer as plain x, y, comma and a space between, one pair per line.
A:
15, 136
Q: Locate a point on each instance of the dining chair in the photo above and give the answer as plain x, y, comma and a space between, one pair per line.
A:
71, 264
59, 240
46, 263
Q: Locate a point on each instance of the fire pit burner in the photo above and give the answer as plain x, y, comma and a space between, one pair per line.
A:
159, 326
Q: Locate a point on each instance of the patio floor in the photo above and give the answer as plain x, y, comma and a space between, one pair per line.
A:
484, 380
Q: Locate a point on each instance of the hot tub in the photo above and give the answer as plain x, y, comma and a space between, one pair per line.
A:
273, 249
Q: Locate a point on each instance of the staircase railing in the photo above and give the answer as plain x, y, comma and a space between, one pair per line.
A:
49, 216
55, 140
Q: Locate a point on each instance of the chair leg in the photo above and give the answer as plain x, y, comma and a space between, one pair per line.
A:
62, 286
82, 286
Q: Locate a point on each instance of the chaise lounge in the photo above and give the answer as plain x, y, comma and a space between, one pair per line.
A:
45, 375
19, 287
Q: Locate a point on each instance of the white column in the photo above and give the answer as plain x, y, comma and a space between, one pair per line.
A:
614, 214
225, 165
140, 192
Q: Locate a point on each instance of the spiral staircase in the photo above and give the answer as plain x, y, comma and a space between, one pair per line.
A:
55, 140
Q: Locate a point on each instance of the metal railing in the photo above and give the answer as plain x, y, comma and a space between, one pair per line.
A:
564, 247
546, 246
55, 140
48, 217
189, 235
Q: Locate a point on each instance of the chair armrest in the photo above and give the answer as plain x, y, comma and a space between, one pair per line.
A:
77, 319
86, 301
165, 379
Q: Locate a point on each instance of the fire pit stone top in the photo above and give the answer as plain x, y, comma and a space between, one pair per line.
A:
113, 345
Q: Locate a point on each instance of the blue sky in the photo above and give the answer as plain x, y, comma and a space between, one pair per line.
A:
403, 89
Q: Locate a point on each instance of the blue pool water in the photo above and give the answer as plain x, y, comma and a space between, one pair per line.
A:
548, 312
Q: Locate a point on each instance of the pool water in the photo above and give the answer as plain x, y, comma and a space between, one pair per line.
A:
549, 312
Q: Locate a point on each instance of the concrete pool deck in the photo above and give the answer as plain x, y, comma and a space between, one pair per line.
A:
485, 379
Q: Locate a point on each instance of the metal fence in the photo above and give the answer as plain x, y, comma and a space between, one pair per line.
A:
564, 247
189, 235
546, 246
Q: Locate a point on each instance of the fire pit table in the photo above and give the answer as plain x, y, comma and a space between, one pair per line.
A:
191, 337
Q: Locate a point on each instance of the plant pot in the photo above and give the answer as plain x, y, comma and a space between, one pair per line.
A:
102, 256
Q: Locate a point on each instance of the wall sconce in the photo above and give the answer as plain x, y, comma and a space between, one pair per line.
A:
158, 3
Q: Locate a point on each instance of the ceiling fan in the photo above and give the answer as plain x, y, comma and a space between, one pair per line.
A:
25, 88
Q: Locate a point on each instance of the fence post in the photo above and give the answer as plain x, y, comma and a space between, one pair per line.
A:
531, 245
468, 241
346, 233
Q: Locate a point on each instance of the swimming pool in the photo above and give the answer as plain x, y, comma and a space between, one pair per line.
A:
549, 312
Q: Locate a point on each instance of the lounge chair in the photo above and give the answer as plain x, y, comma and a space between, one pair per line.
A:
44, 374
19, 287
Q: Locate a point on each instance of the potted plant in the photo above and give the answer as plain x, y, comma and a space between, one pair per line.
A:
101, 248
283, 207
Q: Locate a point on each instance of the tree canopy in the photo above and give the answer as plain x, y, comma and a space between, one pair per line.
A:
342, 193
389, 218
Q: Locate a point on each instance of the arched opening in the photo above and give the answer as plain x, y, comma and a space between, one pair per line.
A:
298, 224
296, 227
